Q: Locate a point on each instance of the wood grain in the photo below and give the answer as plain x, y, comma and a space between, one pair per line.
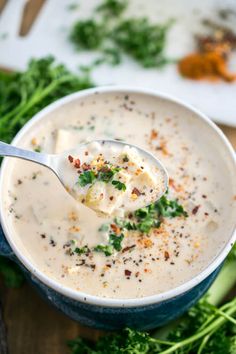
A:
31, 11
2, 5
35, 327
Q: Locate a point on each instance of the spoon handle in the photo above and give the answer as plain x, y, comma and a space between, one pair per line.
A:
10, 150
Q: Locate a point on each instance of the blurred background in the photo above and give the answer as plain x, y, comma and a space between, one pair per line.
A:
183, 48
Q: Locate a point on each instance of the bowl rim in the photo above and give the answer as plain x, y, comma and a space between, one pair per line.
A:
92, 299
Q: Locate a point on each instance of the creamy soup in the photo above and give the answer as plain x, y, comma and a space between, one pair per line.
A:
111, 177
141, 253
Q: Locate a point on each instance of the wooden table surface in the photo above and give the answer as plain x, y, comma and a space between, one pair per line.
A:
35, 327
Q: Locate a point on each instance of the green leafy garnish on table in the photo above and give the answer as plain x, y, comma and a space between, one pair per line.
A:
204, 329
87, 34
23, 94
112, 7
110, 34
143, 41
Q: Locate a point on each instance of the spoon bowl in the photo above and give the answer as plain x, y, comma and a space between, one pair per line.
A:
58, 163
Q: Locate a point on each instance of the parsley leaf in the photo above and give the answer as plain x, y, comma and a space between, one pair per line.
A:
142, 40
147, 223
149, 217
82, 250
106, 249
87, 34
138, 37
203, 330
119, 185
23, 94
169, 208
112, 7
107, 172
115, 241
86, 177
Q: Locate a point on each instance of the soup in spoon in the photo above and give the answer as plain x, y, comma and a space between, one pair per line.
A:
112, 178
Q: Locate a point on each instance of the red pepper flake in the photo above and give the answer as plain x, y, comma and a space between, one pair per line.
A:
70, 158
137, 274
136, 191
111, 197
195, 209
116, 229
86, 166
166, 255
128, 248
77, 163
127, 272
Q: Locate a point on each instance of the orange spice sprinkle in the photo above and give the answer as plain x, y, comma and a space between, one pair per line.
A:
154, 134
145, 242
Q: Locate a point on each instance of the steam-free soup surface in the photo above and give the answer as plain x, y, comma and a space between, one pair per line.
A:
142, 253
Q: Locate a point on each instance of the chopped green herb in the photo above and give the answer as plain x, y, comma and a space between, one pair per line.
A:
144, 41
106, 249
147, 223
86, 177
38, 149
111, 55
82, 250
107, 173
138, 37
169, 208
205, 329
149, 217
112, 7
119, 185
115, 241
88, 34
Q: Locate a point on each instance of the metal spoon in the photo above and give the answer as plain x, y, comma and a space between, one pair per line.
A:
54, 161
